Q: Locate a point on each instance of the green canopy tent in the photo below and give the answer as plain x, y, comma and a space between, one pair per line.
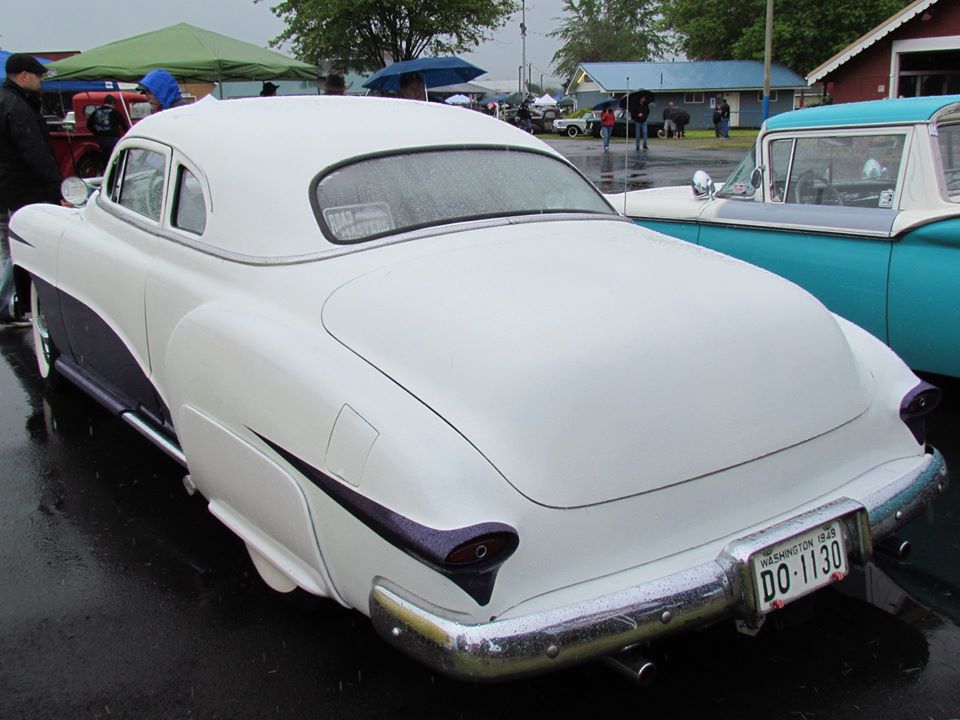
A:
189, 53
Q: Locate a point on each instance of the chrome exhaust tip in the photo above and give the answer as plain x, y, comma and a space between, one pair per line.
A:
632, 664
893, 546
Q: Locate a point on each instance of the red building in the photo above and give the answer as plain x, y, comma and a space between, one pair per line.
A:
915, 52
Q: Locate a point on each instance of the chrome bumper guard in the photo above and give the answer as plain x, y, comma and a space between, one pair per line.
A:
600, 626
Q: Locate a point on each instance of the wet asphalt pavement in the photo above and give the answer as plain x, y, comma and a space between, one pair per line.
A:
667, 162
122, 597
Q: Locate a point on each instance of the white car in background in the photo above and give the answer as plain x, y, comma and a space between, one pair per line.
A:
432, 375
574, 126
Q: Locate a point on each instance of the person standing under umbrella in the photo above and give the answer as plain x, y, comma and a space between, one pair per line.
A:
637, 103
412, 87
523, 115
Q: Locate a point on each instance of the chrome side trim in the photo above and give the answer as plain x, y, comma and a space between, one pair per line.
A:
696, 596
155, 437
332, 251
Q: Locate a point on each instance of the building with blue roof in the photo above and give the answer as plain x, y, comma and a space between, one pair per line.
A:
692, 85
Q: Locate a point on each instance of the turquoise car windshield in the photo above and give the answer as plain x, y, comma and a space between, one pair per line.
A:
738, 184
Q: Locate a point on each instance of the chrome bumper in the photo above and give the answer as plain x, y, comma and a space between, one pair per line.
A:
697, 596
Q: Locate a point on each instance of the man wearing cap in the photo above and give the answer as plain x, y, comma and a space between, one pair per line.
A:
161, 90
28, 169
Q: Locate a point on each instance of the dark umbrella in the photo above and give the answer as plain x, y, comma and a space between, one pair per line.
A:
435, 71
632, 100
608, 103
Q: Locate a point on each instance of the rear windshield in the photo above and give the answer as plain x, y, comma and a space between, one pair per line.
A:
384, 195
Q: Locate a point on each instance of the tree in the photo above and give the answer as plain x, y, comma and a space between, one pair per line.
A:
804, 34
365, 34
607, 30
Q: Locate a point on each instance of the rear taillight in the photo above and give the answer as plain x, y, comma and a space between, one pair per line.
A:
916, 405
481, 550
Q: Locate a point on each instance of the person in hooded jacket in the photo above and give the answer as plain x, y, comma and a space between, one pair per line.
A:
29, 172
161, 90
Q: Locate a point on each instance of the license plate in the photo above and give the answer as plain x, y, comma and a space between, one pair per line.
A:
798, 566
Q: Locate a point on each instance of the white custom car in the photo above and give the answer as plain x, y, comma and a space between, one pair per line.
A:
434, 376
574, 126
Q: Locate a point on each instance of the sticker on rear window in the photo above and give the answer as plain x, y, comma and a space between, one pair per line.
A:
350, 222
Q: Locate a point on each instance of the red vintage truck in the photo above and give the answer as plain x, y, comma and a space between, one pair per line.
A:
74, 145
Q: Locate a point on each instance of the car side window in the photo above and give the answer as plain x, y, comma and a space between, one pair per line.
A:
140, 186
852, 170
948, 139
781, 152
190, 212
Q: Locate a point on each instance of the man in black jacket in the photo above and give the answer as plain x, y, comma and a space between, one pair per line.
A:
28, 170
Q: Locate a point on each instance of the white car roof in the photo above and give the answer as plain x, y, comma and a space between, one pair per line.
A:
259, 155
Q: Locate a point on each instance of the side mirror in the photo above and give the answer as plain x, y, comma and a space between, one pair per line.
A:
756, 177
702, 185
75, 191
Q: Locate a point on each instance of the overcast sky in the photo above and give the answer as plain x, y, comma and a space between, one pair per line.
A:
72, 25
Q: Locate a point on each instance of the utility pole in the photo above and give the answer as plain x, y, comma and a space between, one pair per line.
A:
523, 45
767, 55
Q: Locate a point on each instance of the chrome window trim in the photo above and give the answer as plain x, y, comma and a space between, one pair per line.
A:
182, 238
121, 211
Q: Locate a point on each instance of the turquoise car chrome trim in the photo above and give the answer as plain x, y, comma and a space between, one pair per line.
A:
696, 596
873, 112
876, 222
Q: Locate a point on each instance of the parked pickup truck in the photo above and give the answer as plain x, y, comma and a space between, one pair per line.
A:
74, 145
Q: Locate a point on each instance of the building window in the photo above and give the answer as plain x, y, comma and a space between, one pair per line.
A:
693, 97
773, 96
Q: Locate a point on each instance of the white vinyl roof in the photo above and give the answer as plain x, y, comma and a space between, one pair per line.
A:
258, 156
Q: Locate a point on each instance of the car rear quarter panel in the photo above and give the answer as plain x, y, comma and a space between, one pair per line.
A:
256, 371
924, 301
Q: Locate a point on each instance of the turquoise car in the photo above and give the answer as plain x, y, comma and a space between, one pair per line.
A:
857, 203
